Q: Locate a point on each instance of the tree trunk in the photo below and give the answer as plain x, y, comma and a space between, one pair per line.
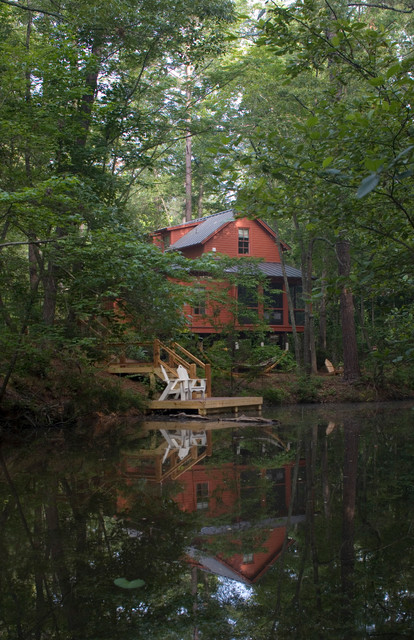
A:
59, 564
50, 292
289, 298
322, 313
310, 354
309, 351
349, 341
188, 166
200, 200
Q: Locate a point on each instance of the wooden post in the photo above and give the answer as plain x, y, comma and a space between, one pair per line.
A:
208, 380
156, 353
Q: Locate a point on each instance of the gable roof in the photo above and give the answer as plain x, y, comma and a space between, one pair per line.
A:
205, 228
200, 230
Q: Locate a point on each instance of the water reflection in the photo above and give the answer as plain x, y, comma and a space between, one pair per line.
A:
242, 499
144, 532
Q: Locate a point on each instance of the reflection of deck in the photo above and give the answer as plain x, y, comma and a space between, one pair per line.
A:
208, 406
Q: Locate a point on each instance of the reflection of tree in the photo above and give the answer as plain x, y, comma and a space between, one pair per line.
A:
62, 548
349, 573
347, 553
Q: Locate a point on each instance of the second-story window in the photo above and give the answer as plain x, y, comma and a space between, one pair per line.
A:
243, 241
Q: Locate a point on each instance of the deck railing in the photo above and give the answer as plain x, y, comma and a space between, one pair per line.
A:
170, 356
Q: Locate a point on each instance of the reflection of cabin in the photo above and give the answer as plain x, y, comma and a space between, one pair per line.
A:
243, 507
222, 233
250, 500
243, 567
219, 490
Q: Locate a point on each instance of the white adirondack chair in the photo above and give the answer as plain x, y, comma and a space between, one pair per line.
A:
174, 388
191, 385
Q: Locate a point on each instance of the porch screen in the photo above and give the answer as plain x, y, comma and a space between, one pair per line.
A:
298, 303
247, 305
274, 304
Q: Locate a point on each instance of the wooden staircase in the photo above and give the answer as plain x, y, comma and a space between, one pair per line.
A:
157, 353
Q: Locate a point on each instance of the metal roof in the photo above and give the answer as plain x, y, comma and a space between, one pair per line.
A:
273, 270
204, 230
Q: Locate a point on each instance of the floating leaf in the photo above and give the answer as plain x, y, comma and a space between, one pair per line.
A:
129, 584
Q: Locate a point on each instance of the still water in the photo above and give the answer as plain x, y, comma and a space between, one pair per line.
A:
299, 527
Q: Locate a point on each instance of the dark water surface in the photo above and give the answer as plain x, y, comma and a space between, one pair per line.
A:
302, 528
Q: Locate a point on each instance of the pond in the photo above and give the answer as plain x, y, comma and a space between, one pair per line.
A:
299, 527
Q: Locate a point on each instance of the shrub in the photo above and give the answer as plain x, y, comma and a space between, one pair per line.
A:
273, 395
306, 388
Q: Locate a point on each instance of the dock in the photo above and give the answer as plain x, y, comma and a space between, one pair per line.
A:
162, 363
209, 406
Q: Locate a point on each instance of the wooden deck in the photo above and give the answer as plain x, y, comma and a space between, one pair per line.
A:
209, 406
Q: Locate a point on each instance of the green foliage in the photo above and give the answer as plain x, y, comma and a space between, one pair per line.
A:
220, 355
88, 393
273, 395
306, 388
271, 354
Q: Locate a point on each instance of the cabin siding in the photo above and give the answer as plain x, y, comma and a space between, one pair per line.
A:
261, 244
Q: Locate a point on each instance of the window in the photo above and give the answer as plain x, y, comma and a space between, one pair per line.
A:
199, 308
248, 558
248, 305
202, 495
243, 241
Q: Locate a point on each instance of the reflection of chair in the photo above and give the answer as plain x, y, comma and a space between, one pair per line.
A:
182, 440
191, 385
174, 387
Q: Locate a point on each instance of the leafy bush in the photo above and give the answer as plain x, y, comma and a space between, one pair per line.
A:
273, 395
306, 388
271, 353
220, 355
88, 392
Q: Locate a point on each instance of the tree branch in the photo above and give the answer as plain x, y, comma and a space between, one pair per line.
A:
386, 7
17, 5
10, 244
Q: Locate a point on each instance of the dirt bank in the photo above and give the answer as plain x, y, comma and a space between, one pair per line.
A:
289, 388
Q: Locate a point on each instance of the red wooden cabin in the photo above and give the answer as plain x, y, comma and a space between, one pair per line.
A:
223, 233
